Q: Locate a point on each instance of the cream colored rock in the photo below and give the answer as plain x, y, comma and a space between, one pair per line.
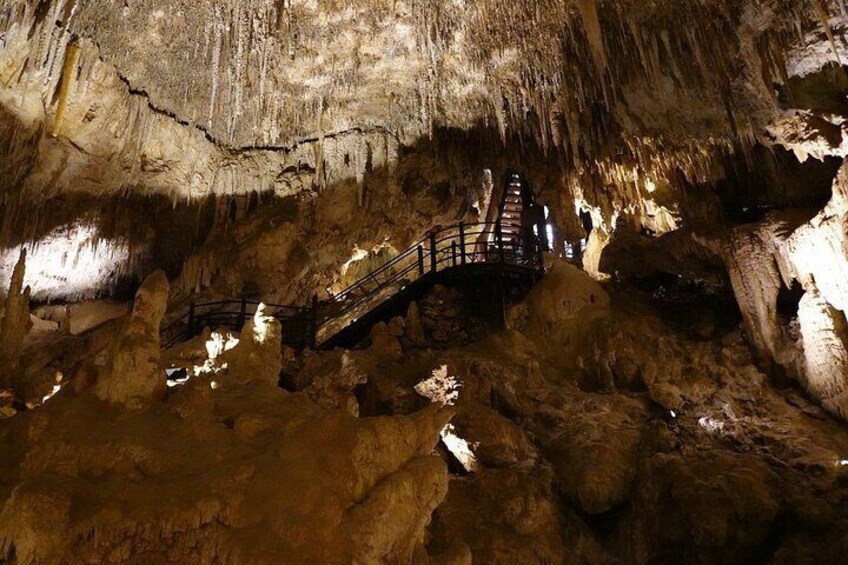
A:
258, 355
413, 330
825, 342
331, 384
133, 374
15, 324
783, 251
561, 306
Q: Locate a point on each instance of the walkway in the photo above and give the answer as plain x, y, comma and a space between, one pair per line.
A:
499, 251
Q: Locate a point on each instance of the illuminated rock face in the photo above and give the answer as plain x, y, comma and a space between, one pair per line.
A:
767, 260
14, 324
278, 150
257, 355
133, 374
75, 249
200, 100
191, 99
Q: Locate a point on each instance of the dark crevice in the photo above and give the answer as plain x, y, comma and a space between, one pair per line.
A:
788, 299
775, 181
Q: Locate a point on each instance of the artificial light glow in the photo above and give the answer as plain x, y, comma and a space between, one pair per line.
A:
440, 387
181, 378
56, 387
843, 462
350, 267
261, 327
51, 394
711, 424
650, 185
213, 385
218, 343
94, 264
356, 256
673, 413
460, 448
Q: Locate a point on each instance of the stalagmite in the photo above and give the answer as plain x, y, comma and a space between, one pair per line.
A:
15, 324
825, 334
423, 281
133, 375
257, 355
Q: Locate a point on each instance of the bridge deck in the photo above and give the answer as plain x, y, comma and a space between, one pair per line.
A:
486, 252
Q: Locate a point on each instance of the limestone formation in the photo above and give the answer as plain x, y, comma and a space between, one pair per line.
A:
15, 324
330, 381
133, 373
561, 305
766, 261
456, 282
257, 355
241, 473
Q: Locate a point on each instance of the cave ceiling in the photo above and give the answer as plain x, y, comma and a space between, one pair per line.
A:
588, 81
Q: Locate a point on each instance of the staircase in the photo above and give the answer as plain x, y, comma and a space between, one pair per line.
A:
495, 256
512, 205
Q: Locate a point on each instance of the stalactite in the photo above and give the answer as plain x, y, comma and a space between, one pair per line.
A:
69, 69
216, 62
822, 12
547, 79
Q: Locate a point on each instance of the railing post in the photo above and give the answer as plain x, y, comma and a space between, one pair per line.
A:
462, 242
191, 319
242, 314
432, 252
542, 243
453, 253
312, 338
499, 239
420, 260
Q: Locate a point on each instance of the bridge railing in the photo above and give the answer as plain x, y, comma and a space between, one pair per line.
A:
298, 322
504, 243
461, 244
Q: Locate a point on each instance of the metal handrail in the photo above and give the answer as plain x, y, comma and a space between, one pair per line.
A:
449, 247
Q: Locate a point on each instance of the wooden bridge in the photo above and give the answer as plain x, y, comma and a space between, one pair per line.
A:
491, 257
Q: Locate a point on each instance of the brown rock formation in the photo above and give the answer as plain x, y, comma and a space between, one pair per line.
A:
241, 473
14, 325
808, 338
133, 374
649, 407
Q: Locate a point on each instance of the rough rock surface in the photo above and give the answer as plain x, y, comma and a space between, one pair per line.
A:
330, 381
806, 335
616, 439
14, 324
257, 355
133, 374
190, 101
241, 472
685, 152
